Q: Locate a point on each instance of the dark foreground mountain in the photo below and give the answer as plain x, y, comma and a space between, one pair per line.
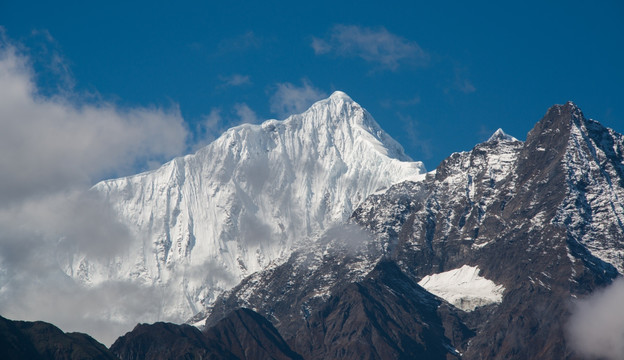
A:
541, 220
43, 341
243, 334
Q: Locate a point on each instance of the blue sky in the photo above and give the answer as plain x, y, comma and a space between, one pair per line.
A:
438, 76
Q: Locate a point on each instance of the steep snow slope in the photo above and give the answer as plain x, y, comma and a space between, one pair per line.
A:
205, 221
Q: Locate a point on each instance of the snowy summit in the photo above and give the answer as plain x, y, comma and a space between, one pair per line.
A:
203, 222
500, 135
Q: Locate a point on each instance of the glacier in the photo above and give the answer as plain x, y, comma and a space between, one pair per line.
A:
203, 222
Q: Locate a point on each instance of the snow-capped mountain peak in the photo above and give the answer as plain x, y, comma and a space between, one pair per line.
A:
204, 221
500, 135
340, 95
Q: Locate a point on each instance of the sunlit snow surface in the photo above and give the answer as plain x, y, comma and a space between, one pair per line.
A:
463, 288
205, 221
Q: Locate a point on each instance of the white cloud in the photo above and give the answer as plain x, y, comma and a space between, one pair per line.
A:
105, 311
320, 46
217, 122
415, 139
596, 327
459, 82
235, 80
377, 46
72, 221
465, 86
462, 83
208, 128
213, 120
290, 99
388, 103
245, 114
38, 238
240, 43
53, 147
50, 57
49, 144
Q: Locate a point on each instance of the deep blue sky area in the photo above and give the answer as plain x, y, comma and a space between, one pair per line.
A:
439, 77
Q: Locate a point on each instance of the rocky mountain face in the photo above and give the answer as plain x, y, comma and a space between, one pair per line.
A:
540, 220
20, 340
521, 228
205, 221
384, 316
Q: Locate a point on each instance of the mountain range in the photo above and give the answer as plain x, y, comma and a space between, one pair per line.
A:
316, 237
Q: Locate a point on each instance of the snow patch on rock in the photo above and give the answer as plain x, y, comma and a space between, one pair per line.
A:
463, 288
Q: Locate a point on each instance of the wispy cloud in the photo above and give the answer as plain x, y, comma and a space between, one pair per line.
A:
209, 127
245, 114
235, 80
48, 55
409, 102
465, 86
462, 83
388, 103
377, 46
414, 137
485, 132
218, 121
596, 327
320, 46
53, 147
243, 42
291, 99
459, 81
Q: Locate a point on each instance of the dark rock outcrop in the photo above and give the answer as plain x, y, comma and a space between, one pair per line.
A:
385, 316
43, 341
166, 341
243, 334
248, 335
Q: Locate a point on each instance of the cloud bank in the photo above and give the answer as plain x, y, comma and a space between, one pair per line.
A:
377, 46
51, 143
596, 327
53, 147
